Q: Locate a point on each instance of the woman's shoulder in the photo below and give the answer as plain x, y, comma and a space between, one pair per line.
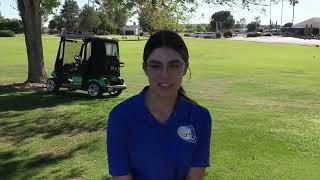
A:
196, 108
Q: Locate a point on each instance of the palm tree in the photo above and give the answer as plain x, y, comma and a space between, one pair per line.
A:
281, 12
293, 4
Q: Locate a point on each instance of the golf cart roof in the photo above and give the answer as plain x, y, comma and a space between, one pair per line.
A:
87, 38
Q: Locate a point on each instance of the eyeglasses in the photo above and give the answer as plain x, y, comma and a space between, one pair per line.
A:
174, 67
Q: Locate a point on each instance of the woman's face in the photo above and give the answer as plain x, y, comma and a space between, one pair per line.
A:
165, 69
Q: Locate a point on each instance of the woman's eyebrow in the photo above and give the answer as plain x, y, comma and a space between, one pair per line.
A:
174, 61
154, 61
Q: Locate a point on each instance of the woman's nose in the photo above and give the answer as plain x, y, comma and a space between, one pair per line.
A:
164, 72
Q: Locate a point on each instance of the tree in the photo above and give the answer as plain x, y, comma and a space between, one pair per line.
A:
107, 24
31, 19
237, 25
288, 24
115, 13
257, 21
221, 20
53, 23
293, 4
88, 19
14, 25
46, 8
253, 26
153, 18
29, 12
69, 14
243, 22
202, 28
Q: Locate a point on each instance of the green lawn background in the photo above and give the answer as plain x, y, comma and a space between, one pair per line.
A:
264, 99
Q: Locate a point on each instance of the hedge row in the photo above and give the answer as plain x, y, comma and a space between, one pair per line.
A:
6, 33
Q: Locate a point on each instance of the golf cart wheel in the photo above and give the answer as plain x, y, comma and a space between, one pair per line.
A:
94, 90
52, 85
115, 93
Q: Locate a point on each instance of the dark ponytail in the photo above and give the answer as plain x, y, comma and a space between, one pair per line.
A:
182, 93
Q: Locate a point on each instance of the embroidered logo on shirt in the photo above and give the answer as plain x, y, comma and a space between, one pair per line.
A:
187, 133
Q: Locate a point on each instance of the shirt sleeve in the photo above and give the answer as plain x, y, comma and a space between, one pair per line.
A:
117, 144
201, 155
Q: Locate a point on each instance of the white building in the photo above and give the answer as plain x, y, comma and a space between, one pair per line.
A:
131, 30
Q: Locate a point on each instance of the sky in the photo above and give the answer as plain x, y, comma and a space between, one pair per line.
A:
306, 9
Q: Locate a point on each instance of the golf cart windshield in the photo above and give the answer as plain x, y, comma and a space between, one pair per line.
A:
72, 48
111, 49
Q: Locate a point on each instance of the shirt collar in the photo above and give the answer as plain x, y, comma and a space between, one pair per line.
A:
180, 110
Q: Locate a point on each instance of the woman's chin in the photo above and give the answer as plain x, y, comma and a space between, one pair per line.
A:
166, 91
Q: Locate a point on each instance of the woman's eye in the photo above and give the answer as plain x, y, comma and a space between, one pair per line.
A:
155, 66
174, 66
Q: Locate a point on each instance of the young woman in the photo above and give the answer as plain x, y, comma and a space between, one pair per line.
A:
160, 134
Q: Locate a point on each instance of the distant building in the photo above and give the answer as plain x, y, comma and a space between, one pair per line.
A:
131, 30
315, 22
305, 28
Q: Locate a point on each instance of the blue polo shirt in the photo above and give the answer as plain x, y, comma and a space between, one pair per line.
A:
148, 150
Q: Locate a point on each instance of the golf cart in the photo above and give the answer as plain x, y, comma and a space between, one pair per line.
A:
87, 63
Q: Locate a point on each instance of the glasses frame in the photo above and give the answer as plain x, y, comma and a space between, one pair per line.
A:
174, 67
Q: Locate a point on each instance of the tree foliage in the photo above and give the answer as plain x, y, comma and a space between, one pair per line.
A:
293, 3
88, 19
14, 25
69, 14
221, 20
289, 24
163, 14
115, 13
46, 8
153, 18
253, 26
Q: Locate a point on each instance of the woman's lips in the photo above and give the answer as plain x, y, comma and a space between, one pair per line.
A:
165, 84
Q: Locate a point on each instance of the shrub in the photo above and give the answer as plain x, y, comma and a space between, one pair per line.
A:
228, 34
218, 35
14, 25
6, 33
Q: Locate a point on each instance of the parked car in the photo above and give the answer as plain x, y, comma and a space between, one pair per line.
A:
204, 35
209, 35
267, 34
197, 34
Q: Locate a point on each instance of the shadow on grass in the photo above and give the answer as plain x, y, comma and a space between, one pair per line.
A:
18, 131
30, 99
18, 122
11, 168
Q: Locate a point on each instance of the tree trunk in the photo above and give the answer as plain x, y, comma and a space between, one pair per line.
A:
29, 11
292, 15
281, 12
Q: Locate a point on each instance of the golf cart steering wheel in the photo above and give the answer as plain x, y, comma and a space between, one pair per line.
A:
78, 59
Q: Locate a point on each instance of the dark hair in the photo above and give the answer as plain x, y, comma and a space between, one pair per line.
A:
168, 39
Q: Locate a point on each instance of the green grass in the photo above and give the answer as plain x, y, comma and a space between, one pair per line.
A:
264, 99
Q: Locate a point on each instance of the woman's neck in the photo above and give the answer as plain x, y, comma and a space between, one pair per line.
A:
160, 107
